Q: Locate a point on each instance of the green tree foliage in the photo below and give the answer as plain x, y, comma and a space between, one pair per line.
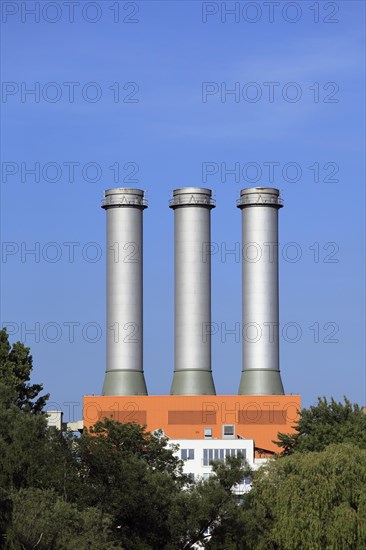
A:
16, 365
32, 454
323, 424
313, 500
130, 475
130, 440
43, 520
206, 505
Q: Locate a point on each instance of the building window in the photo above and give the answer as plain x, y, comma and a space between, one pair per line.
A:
208, 433
228, 431
205, 457
187, 454
221, 454
208, 455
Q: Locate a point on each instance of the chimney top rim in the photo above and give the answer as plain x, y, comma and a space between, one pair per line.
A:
192, 190
124, 191
266, 190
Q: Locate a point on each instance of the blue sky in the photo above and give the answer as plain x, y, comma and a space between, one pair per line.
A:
162, 131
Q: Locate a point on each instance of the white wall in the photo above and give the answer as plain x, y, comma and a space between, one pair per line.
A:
199, 465
54, 418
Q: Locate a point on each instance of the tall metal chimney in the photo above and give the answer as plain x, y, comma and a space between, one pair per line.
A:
260, 330
124, 373
192, 283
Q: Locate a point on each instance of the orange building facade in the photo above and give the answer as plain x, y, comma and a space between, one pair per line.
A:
193, 417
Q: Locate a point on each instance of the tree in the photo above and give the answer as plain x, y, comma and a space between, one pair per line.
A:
313, 500
132, 476
323, 424
131, 439
34, 455
199, 513
16, 365
43, 520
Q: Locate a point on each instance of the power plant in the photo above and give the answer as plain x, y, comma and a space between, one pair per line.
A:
193, 414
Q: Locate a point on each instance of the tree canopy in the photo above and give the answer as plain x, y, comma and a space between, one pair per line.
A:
313, 500
323, 424
16, 365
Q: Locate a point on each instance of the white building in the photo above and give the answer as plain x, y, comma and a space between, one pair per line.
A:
198, 453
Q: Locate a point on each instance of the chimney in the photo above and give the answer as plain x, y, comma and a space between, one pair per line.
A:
260, 327
124, 373
192, 287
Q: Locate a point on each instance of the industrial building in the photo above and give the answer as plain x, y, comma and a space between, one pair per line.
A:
206, 426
